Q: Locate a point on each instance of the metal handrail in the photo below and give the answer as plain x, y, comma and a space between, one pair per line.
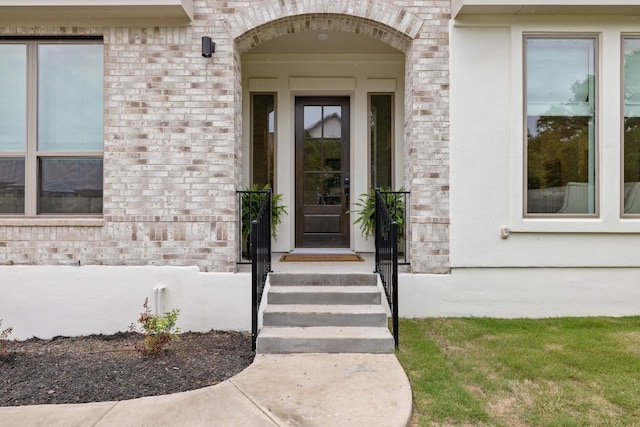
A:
260, 252
386, 257
249, 202
398, 204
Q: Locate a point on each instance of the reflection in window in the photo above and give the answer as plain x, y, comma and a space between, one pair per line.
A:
332, 125
70, 185
631, 131
322, 155
381, 119
11, 185
70, 97
263, 117
13, 118
13, 101
560, 111
51, 144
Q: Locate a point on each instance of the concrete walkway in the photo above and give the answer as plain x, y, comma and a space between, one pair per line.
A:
276, 390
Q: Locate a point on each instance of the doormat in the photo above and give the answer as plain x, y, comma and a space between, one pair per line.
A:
321, 258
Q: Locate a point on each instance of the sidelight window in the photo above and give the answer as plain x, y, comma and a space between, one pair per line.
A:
263, 123
381, 139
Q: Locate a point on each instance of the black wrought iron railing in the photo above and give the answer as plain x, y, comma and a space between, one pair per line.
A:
386, 255
398, 206
249, 203
255, 215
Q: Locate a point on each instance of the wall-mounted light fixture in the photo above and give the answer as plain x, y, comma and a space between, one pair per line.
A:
208, 47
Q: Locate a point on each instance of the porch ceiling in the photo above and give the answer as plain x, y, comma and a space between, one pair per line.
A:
323, 42
96, 12
544, 7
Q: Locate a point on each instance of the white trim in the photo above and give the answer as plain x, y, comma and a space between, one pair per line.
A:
544, 7
263, 85
380, 85
322, 83
95, 12
52, 222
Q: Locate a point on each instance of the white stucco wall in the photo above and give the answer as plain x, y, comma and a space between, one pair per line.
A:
487, 152
47, 301
546, 267
521, 292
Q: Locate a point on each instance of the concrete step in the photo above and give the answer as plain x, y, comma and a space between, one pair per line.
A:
324, 315
325, 339
317, 294
297, 279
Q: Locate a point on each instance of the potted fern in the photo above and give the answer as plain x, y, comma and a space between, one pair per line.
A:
366, 215
251, 203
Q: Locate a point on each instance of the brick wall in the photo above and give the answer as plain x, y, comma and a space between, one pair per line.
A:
427, 137
173, 123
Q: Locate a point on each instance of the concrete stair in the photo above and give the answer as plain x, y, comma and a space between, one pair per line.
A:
324, 313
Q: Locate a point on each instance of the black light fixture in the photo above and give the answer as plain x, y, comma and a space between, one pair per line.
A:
208, 47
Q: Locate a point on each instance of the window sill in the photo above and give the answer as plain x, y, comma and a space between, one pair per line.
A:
51, 222
575, 225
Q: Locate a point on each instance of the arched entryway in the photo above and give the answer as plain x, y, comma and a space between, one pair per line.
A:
322, 51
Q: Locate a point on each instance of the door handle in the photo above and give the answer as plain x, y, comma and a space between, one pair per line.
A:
346, 192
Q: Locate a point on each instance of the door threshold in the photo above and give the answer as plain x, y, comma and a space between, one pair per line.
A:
331, 251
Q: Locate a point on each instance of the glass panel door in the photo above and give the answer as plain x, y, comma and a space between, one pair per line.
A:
322, 172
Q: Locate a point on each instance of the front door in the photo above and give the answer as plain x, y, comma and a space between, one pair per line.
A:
322, 172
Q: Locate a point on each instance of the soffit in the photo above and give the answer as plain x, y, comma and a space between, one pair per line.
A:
544, 7
95, 12
323, 42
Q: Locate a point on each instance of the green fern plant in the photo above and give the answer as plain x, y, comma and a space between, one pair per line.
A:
251, 203
366, 214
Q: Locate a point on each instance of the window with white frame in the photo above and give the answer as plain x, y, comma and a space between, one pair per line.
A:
560, 105
631, 125
51, 129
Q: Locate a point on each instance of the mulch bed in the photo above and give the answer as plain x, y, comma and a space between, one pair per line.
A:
108, 367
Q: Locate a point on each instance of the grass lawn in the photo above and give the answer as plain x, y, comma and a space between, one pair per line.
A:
495, 372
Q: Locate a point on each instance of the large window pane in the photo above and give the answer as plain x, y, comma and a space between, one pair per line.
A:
13, 97
312, 155
381, 139
332, 122
631, 131
560, 91
333, 155
263, 138
322, 155
11, 185
313, 188
70, 185
70, 97
312, 121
